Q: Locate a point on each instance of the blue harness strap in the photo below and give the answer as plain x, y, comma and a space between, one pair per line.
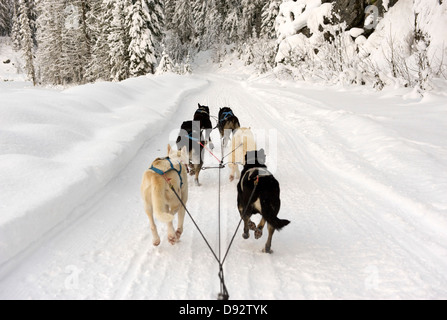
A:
160, 172
226, 115
189, 136
202, 111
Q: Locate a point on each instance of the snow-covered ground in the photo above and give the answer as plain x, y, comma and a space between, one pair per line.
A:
10, 62
363, 178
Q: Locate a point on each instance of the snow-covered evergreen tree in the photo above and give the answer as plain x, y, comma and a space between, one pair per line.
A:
99, 22
141, 48
15, 26
165, 65
232, 23
63, 44
119, 41
76, 46
169, 9
207, 23
250, 23
269, 13
184, 21
156, 23
26, 40
5, 17
50, 22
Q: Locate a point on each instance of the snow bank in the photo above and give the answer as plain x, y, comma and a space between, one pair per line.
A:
293, 16
59, 147
10, 62
407, 47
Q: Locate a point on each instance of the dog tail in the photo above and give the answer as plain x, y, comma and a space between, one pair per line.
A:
277, 223
159, 204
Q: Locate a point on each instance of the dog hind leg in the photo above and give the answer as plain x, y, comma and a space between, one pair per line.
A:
181, 219
172, 238
268, 244
155, 235
197, 168
258, 229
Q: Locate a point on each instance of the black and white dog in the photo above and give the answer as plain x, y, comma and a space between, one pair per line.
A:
227, 124
190, 136
202, 115
258, 192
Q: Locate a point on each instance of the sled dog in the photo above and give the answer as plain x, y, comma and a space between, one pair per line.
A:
159, 199
263, 200
202, 115
228, 122
243, 141
190, 136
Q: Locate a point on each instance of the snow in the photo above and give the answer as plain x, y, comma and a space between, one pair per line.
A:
71, 140
407, 47
294, 15
10, 62
363, 178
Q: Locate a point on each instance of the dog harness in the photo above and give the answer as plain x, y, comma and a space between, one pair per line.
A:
262, 172
226, 115
201, 111
162, 173
189, 136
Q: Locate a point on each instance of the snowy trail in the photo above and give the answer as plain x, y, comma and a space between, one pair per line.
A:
359, 229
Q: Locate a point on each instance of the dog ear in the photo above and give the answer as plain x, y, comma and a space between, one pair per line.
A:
169, 149
199, 105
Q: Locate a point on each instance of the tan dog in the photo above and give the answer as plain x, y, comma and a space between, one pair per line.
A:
242, 142
158, 197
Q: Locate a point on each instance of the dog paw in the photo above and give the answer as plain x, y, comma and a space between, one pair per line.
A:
265, 250
178, 234
231, 178
156, 242
258, 233
172, 239
246, 235
251, 225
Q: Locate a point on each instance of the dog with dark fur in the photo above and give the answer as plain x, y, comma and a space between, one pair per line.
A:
228, 122
190, 136
258, 192
202, 115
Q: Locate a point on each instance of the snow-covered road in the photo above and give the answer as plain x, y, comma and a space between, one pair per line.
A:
363, 179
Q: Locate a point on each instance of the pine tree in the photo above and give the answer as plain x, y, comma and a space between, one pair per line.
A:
184, 26
5, 17
232, 23
119, 41
27, 42
165, 65
50, 22
156, 23
76, 46
169, 9
269, 13
15, 26
251, 18
141, 48
99, 23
